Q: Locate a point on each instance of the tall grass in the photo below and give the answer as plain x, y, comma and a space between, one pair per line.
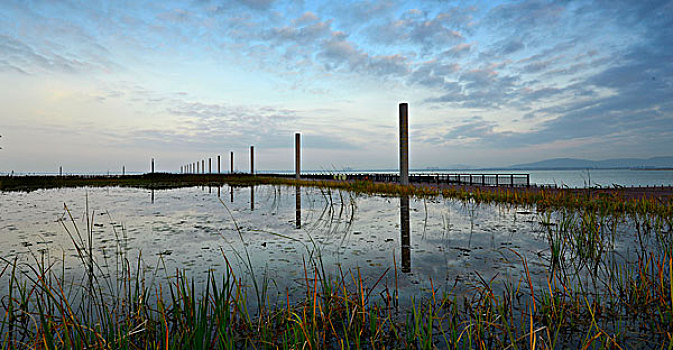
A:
588, 297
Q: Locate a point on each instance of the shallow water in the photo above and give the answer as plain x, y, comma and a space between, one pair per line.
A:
275, 232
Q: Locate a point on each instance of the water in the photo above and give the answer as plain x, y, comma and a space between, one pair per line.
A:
272, 233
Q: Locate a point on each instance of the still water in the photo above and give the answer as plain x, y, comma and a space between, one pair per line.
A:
274, 233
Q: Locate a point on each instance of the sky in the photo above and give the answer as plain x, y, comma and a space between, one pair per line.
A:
96, 85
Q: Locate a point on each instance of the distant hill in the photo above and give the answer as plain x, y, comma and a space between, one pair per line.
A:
572, 163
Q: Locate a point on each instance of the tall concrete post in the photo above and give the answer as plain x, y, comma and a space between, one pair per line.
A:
252, 160
297, 156
218, 164
404, 144
232, 163
405, 234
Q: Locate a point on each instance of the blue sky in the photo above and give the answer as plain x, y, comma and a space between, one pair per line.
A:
97, 85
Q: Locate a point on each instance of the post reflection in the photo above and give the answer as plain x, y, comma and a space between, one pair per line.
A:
297, 200
252, 198
405, 233
152, 197
231, 191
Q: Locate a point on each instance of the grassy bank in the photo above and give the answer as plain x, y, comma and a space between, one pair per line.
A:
616, 201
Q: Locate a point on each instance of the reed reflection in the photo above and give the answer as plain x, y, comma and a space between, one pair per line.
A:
297, 200
405, 233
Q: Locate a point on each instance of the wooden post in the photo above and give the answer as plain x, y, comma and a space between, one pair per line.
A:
197, 167
232, 164
203, 166
123, 170
218, 164
404, 144
511, 180
496, 179
210, 165
152, 165
527, 180
297, 156
252, 160
60, 171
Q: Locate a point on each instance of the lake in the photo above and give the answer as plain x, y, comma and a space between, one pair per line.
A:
273, 232
513, 265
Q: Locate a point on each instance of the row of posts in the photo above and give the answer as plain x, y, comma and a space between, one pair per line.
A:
194, 168
199, 167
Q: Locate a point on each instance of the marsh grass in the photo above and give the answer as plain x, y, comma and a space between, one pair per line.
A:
589, 297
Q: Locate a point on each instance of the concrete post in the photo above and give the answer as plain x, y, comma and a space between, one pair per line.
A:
297, 156
297, 201
405, 234
404, 144
252, 160
252, 198
232, 163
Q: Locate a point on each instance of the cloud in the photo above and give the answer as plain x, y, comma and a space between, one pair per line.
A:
338, 53
458, 50
18, 56
429, 33
257, 4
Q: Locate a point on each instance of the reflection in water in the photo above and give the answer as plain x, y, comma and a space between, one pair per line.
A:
231, 190
297, 200
152, 196
405, 234
218, 191
252, 198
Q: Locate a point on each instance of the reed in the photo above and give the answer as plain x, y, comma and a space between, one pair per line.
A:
588, 297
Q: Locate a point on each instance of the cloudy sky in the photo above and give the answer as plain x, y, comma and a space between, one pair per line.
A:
95, 85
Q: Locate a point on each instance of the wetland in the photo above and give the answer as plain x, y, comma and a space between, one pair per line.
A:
322, 267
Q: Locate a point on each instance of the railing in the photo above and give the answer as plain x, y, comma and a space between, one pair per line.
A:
463, 179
